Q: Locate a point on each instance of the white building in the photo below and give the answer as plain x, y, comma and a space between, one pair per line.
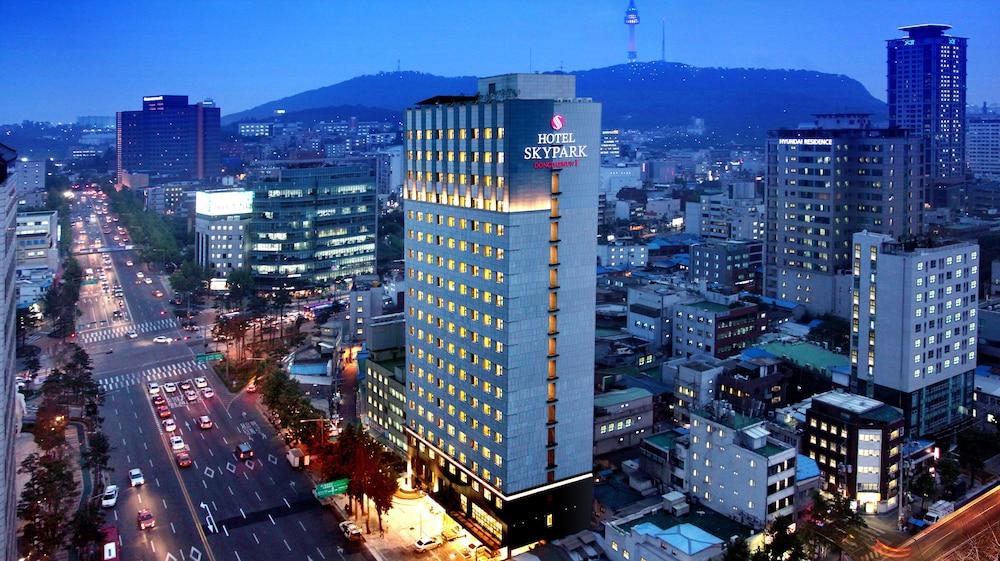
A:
37, 260
736, 468
982, 145
694, 384
650, 312
500, 248
220, 225
365, 301
256, 129
621, 254
8, 395
725, 218
29, 179
913, 344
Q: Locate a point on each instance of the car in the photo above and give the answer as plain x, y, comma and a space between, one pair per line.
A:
154, 388
170, 387
169, 425
139, 275
158, 399
204, 422
135, 478
191, 395
132, 334
157, 294
128, 263
185, 385
427, 543
146, 519
163, 411
148, 280
452, 533
251, 387
351, 531
177, 443
200, 382
183, 459
243, 451
208, 393
162, 339
110, 497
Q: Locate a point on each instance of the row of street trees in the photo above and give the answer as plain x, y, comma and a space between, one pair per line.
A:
62, 297
148, 230
50, 494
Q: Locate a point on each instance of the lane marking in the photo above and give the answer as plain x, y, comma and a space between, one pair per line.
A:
243, 513
286, 544
303, 526
258, 496
286, 502
164, 503
273, 523
255, 538
172, 529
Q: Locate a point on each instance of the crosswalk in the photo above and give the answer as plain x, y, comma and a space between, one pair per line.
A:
163, 372
119, 331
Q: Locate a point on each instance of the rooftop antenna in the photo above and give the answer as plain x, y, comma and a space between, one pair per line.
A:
397, 65
663, 39
531, 67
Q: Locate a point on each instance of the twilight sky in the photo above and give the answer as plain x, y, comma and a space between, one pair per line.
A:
63, 59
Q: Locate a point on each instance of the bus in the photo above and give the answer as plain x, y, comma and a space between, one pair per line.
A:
110, 549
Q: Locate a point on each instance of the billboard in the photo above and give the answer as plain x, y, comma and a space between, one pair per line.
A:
223, 203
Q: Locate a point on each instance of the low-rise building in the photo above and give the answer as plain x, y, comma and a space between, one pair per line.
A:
365, 301
622, 254
857, 442
753, 385
736, 468
733, 265
662, 457
695, 384
650, 312
622, 418
37, 255
716, 328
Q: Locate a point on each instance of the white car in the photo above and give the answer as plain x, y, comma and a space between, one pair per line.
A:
169, 425
154, 388
135, 477
148, 280
132, 334
139, 275
170, 387
176, 443
427, 543
208, 393
191, 395
128, 263
162, 339
200, 382
110, 497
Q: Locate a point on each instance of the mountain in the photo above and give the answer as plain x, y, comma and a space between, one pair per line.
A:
738, 104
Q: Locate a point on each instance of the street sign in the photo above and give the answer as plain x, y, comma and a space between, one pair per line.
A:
208, 357
330, 488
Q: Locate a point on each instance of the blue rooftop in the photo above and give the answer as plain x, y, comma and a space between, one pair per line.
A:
686, 537
756, 352
805, 468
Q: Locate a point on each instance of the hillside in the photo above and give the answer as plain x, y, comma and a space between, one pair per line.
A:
738, 104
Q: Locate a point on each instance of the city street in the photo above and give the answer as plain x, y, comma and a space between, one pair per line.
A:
259, 508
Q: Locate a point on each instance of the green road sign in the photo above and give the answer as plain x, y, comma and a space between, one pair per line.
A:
330, 488
208, 357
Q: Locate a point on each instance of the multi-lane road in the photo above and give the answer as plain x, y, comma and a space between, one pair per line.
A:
262, 509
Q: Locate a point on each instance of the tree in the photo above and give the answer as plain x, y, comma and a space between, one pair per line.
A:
739, 550
279, 302
31, 359
385, 482
47, 496
923, 486
97, 457
948, 469
974, 448
86, 536
27, 322
241, 285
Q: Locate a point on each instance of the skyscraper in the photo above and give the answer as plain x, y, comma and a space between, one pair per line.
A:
170, 137
8, 394
312, 226
913, 336
500, 246
926, 94
823, 184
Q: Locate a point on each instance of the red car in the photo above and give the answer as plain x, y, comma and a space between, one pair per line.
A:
163, 411
146, 520
159, 400
183, 459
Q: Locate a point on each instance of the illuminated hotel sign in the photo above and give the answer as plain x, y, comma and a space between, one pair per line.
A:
557, 146
223, 203
807, 141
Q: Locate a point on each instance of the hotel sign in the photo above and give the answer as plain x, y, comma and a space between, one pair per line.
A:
807, 141
556, 149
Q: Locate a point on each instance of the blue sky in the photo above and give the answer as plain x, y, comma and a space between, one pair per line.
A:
64, 59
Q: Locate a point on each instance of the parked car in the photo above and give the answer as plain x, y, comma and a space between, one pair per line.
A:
154, 388
163, 411
208, 393
170, 387
185, 385
351, 531
191, 395
427, 543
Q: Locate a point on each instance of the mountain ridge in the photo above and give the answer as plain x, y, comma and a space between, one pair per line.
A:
736, 103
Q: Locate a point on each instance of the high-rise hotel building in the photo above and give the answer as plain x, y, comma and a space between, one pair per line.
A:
501, 231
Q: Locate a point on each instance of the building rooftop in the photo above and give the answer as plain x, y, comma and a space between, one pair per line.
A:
732, 419
709, 306
686, 537
705, 519
805, 468
390, 364
807, 355
771, 448
665, 440
848, 401
616, 397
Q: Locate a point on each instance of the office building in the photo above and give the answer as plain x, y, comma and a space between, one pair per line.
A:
721, 217
37, 257
382, 385
736, 468
650, 312
857, 443
312, 226
731, 265
926, 95
825, 183
982, 145
721, 326
694, 384
500, 247
221, 227
622, 418
913, 340
8, 391
622, 254
170, 138
366, 300
29, 180
256, 129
